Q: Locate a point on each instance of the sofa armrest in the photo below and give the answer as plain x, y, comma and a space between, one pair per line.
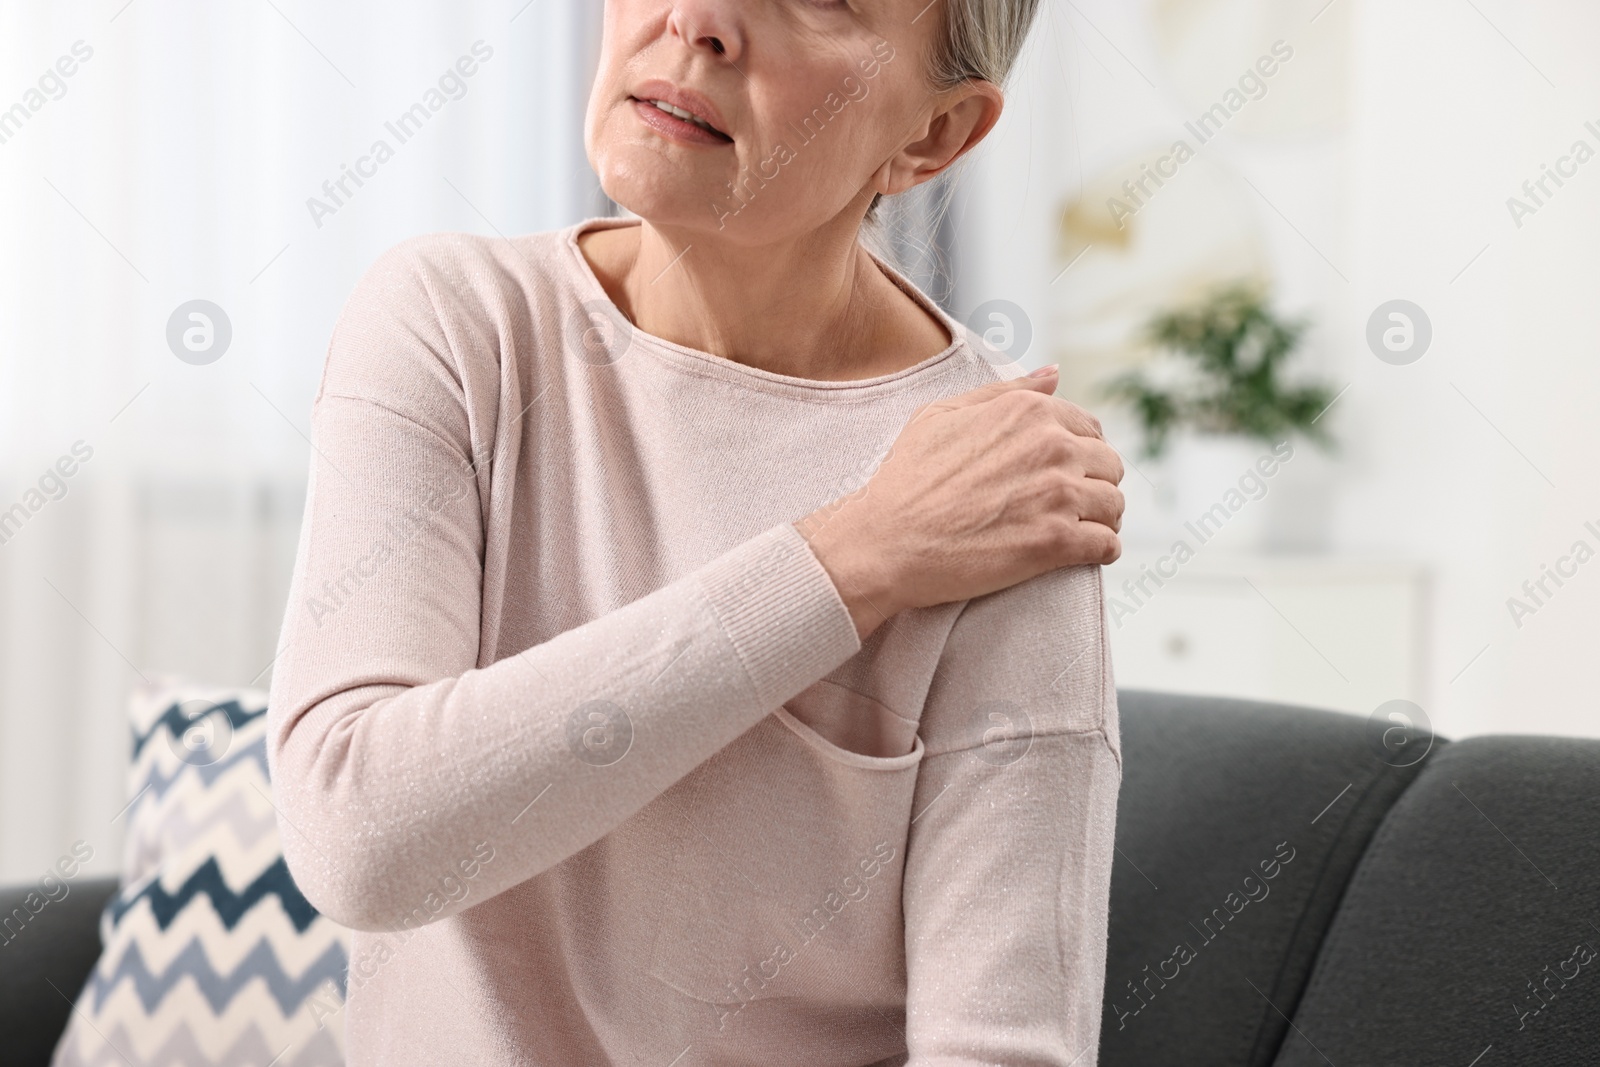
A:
45, 958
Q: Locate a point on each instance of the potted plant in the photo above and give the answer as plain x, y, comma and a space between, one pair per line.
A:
1218, 393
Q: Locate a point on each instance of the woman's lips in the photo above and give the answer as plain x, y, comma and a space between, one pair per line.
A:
671, 126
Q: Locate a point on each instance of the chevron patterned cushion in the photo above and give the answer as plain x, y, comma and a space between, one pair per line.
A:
211, 955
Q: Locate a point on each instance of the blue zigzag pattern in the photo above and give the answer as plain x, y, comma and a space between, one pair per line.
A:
177, 723
229, 906
209, 773
181, 1049
219, 989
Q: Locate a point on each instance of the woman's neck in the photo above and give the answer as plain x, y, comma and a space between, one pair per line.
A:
813, 307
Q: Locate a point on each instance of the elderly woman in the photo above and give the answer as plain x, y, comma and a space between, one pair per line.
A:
696, 653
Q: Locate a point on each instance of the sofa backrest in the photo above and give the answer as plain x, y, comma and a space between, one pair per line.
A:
1239, 826
1470, 934
44, 958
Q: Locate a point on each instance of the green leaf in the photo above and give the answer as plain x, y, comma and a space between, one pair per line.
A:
1236, 349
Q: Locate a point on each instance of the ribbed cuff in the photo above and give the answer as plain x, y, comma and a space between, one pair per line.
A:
781, 612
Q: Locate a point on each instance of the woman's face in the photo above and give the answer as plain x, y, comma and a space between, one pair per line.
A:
805, 100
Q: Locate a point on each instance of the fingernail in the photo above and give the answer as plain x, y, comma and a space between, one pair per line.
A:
1044, 371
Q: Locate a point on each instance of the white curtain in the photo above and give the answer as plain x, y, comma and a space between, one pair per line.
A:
174, 163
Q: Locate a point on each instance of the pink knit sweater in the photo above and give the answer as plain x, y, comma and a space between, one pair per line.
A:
571, 726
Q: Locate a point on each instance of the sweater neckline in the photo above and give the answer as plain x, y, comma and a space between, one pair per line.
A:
729, 369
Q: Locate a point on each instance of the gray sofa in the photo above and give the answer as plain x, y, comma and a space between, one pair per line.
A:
1283, 895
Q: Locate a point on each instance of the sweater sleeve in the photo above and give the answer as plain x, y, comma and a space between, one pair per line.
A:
1008, 862
401, 763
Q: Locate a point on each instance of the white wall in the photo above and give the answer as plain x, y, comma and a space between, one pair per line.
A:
1441, 143
1389, 192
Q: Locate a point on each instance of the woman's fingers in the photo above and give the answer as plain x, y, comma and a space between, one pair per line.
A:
1076, 419
1099, 460
1045, 384
1099, 502
1095, 543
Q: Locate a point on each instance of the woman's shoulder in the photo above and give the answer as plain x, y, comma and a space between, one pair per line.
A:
439, 307
452, 272
1040, 647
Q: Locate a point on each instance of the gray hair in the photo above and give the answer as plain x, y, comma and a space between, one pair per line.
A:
980, 40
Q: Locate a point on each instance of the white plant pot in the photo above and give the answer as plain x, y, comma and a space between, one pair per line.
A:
1304, 501
1216, 492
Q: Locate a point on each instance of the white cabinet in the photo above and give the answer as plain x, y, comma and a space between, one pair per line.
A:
1327, 631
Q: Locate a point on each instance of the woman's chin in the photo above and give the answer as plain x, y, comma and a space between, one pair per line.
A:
674, 207
661, 188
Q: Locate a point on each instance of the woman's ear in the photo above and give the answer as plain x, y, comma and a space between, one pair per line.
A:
962, 118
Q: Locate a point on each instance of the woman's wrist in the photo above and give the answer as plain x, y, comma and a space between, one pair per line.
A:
860, 574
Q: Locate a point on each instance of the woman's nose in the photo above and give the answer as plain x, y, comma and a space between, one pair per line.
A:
715, 25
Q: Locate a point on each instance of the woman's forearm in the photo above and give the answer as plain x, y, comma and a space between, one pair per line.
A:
394, 754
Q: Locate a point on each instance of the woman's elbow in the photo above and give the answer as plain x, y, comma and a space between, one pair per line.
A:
336, 880
378, 888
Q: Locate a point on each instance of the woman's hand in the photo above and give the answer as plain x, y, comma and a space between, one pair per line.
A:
979, 492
